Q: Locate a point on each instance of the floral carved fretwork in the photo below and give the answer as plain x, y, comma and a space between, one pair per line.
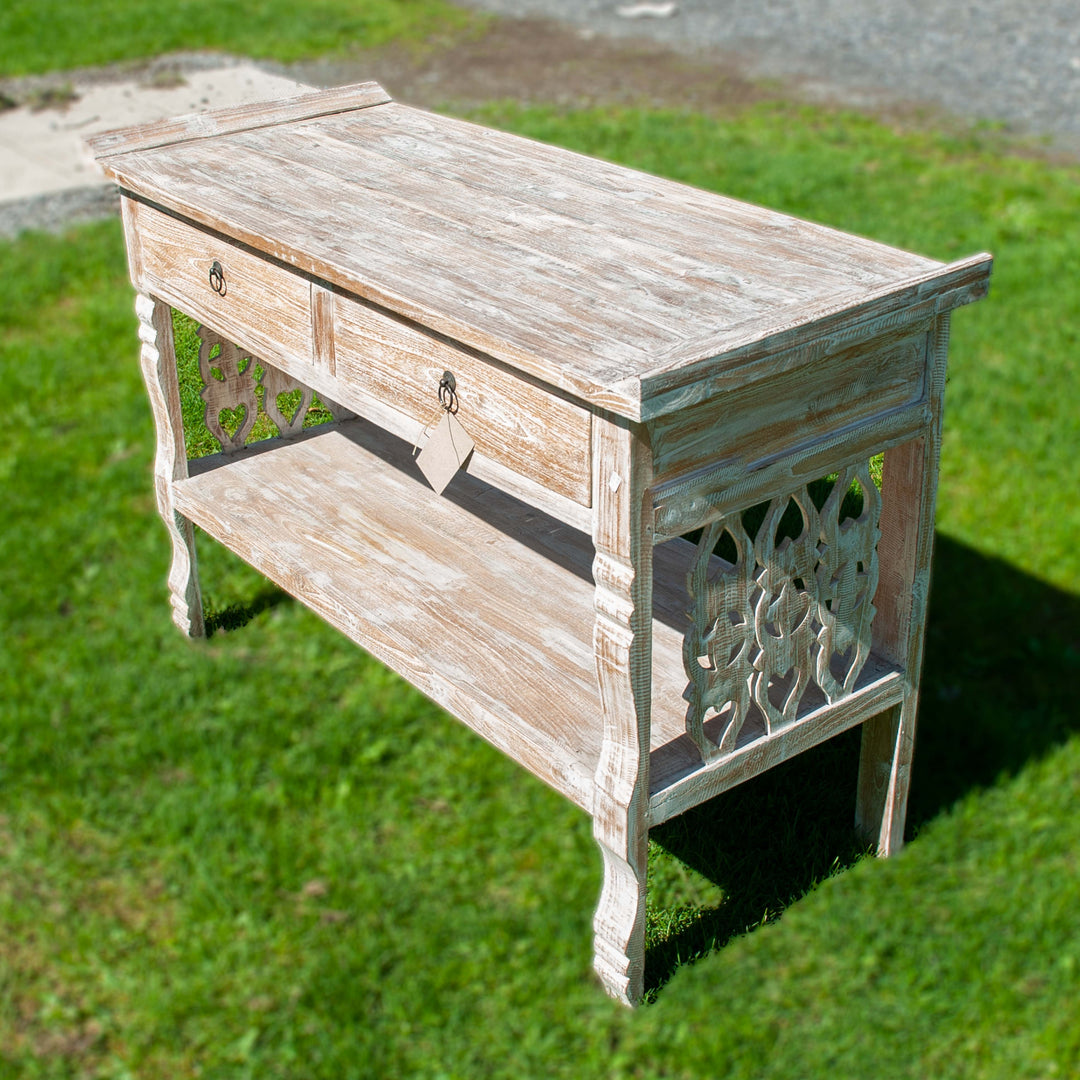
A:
231, 379
784, 615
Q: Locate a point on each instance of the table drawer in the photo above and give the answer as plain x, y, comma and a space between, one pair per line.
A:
261, 306
516, 423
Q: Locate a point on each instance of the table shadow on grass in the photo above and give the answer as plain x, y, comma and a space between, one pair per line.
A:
1002, 655
234, 616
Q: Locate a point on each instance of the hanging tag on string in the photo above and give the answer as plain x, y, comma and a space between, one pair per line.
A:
449, 446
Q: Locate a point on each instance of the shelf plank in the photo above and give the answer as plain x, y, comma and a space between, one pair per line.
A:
481, 601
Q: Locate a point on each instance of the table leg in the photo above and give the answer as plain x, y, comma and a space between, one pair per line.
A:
158, 362
622, 569
908, 497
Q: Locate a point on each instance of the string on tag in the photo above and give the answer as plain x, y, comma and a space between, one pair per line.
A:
448, 403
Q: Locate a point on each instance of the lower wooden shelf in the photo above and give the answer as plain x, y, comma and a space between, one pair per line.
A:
481, 601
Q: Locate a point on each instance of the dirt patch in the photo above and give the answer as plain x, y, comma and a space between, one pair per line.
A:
538, 61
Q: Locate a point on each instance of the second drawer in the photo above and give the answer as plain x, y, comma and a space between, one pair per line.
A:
532, 432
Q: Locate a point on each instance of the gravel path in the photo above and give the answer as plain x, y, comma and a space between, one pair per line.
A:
1010, 61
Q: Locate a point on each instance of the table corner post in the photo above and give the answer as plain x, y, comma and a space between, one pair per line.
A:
157, 358
905, 552
622, 570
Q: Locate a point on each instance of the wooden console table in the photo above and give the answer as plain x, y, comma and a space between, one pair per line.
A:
635, 361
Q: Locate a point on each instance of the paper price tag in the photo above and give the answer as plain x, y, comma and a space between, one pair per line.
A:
445, 452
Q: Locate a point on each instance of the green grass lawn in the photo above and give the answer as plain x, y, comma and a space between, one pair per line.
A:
54, 35
266, 856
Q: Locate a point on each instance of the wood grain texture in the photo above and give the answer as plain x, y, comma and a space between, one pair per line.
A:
680, 381
909, 494
705, 494
323, 346
793, 411
158, 362
633, 359
622, 642
482, 602
265, 307
679, 781
510, 421
626, 291
217, 122
783, 616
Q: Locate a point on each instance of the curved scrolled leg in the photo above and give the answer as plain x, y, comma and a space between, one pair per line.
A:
158, 362
622, 642
619, 924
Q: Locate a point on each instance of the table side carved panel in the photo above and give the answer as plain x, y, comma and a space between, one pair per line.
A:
783, 614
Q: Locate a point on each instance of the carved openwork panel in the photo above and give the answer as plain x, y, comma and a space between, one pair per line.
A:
783, 607
232, 380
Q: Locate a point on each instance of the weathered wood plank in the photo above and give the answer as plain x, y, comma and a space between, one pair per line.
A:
262, 306
776, 416
511, 421
629, 292
693, 500
634, 204
909, 496
462, 594
158, 362
679, 781
680, 379
668, 273
217, 122
622, 643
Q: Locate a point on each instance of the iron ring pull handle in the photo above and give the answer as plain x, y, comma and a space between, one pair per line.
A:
448, 392
217, 279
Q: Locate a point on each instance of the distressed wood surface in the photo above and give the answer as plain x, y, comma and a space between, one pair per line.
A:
627, 291
622, 643
909, 494
724, 355
265, 307
323, 348
678, 780
216, 122
158, 362
792, 411
340, 518
783, 616
483, 603
709, 492
510, 421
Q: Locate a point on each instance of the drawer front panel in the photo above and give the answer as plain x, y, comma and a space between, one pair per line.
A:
262, 307
789, 413
535, 434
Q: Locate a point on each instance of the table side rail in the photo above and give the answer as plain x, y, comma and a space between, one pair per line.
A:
677, 785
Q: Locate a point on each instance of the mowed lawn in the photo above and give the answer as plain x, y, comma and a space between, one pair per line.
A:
38, 36
264, 855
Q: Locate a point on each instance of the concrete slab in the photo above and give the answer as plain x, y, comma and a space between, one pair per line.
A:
42, 159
